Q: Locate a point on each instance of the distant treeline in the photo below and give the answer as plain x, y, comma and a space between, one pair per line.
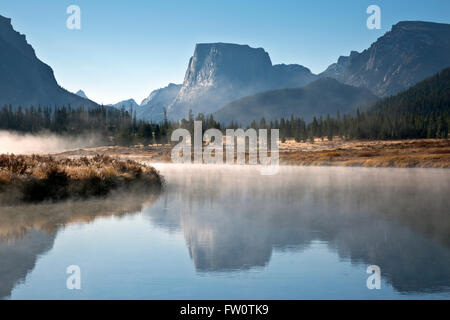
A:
121, 126
114, 125
363, 125
422, 111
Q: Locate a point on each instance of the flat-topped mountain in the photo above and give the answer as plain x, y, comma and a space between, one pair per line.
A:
321, 97
219, 73
409, 53
24, 79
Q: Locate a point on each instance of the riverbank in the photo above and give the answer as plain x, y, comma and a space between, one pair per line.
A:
423, 153
44, 178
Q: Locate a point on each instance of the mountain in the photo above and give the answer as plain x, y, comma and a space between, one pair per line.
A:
24, 79
290, 76
127, 104
21, 256
321, 97
152, 107
422, 111
219, 73
81, 94
409, 53
431, 95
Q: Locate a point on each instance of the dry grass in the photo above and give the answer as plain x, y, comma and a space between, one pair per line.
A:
432, 153
38, 178
425, 153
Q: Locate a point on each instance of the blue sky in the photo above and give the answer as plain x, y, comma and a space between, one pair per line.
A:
125, 49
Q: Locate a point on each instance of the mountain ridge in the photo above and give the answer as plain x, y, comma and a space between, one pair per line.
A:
221, 73
127, 104
410, 52
152, 108
319, 98
25, 80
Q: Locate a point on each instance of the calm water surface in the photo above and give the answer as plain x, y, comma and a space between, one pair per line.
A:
230, 233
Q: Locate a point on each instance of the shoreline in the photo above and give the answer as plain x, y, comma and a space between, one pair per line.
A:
411, 153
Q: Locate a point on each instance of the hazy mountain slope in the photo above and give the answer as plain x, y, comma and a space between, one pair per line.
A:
410, 52
127, 104
431, 95
24, 79
422, 111
152, 107
219, 73
321, 97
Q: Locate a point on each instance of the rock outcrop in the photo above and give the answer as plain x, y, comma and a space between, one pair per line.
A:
219, 73
409, 53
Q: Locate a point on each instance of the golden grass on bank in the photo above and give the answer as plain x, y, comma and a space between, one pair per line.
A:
425, 153
38, 178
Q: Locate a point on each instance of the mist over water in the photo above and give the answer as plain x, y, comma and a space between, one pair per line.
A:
224, 232
17, 143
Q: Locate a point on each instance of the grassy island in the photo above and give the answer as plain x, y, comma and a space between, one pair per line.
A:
37, 178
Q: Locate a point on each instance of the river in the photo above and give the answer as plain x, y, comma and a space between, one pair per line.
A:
228, 232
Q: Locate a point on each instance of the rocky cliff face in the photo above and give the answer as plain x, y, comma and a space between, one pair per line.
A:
152, 107
409, 53
221, 72
24, 79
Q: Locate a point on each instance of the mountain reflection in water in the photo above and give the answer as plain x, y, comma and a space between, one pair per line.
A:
235, 221
28, 231
233, 218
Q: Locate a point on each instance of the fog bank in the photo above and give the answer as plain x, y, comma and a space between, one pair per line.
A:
12, 142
